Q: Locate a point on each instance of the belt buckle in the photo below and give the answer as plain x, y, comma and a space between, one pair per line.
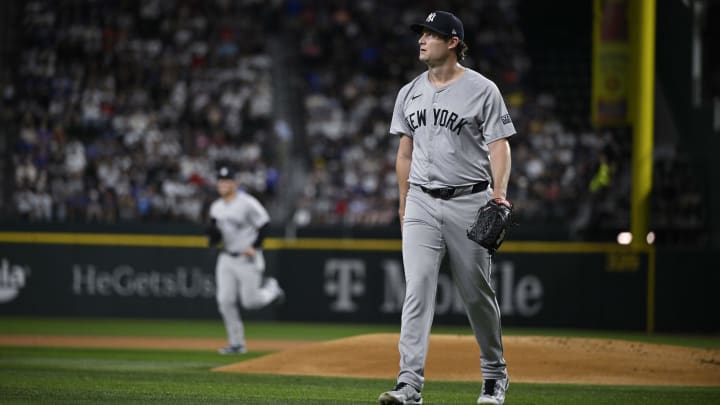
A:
446, 193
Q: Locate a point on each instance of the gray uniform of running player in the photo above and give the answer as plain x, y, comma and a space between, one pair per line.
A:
450, 128
238, 275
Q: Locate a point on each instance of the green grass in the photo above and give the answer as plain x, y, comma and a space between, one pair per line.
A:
58, 376
296, 330
196, 328
38, 375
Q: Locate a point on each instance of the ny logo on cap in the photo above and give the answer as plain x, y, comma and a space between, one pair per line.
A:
430, 17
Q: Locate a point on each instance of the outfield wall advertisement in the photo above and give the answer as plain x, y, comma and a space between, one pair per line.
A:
106, 281
322, 283
533, 290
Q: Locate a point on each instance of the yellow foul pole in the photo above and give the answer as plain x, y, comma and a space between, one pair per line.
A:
643, 101
642, 152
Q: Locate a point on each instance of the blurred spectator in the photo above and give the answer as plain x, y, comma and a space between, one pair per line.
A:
124, 109
127, 106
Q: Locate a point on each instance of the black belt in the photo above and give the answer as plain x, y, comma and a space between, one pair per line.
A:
233, 254
447, 193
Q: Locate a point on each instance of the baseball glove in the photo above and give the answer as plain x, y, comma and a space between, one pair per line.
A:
491, 224
213, 233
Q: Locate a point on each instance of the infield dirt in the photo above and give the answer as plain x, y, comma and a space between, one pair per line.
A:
450, 358
530, 359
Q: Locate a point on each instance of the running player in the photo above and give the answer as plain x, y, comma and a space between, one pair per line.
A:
238, 223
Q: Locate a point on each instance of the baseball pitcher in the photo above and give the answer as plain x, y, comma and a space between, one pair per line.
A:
453, 159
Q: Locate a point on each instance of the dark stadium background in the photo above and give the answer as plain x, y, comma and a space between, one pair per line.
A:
114, 115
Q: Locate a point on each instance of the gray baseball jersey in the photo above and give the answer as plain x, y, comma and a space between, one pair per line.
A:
239, 220
451, 128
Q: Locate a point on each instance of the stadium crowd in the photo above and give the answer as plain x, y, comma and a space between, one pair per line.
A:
124, 108
353, 69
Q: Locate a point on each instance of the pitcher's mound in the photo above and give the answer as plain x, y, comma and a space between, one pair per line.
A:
529, 358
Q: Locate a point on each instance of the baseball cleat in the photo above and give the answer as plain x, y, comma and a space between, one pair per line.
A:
402, 394
272, 284
233, 349
493, 391
280, 298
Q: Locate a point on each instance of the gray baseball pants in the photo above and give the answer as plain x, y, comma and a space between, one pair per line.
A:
433, 227
240, 277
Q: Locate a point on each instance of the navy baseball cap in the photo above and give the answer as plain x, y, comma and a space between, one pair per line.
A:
225, 173
443, 23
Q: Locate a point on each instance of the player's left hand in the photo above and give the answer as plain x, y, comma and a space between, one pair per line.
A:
491, 223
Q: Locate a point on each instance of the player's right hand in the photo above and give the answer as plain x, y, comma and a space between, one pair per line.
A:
250, 252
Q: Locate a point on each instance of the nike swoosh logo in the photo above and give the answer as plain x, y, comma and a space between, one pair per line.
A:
415, 96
